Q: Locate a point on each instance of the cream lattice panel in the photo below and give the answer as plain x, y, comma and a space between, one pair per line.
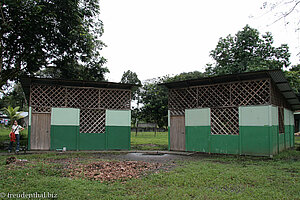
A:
181, 99
115, 99
40, 109
92, 121
225, 121
254, 92
251, 93
83, 98
45, 96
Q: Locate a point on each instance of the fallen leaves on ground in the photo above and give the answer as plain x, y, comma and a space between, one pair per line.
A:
111, 170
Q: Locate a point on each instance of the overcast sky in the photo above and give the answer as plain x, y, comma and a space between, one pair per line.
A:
158, 37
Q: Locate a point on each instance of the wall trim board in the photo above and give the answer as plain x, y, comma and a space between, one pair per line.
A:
29, 118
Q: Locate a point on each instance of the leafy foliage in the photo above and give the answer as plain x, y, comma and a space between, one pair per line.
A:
293, 76
247, 51
186, 76
130, 77
51, 39
12, 113
14, 98
155, 100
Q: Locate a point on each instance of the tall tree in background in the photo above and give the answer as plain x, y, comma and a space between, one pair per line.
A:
14, 98
54, 38
293, 76
155, 100
130, 77
185, 76
247, 51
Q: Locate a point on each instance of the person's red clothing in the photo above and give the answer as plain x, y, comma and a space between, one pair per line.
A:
12, 137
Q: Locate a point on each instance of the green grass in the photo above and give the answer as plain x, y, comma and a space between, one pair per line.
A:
4, 137
297, 140
207, 177
147, 141
204, 177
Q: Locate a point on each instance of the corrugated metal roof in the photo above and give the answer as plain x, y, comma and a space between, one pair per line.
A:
276, 75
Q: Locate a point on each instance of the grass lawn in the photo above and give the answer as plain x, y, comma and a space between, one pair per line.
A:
147, 141
202, 177
4, 137
205, 177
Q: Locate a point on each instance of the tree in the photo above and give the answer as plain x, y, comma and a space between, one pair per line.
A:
155, 100
130, 77
293, 76
247, 51
14, 98
12, 113
59, 38
185, 76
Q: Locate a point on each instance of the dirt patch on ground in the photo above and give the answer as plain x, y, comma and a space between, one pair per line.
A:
111, 171
109, 167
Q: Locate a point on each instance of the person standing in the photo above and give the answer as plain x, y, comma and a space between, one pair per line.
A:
16, 129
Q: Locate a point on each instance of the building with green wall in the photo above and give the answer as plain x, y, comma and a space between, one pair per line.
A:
77, 115
247, 114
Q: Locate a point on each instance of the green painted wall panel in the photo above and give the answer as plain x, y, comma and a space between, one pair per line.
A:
118, 118
255, 140
226, 144
92, 141
65, 116
64, 136
118, 137
254, 115
292, 135
287, 136
281, 142
274, 140
197, 138
197, 117
29, 134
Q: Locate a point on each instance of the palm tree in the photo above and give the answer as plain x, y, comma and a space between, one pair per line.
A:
13, 113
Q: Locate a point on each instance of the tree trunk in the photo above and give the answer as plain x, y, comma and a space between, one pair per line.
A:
155, 129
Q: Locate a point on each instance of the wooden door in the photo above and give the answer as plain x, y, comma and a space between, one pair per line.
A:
177, 133
40, 131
